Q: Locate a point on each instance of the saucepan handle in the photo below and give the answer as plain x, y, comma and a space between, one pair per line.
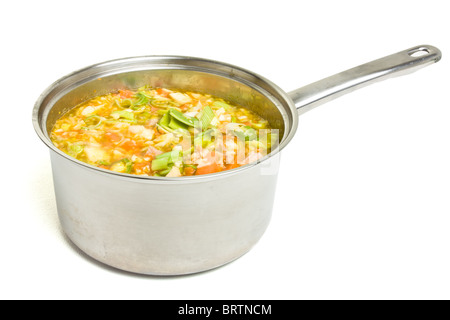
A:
403, 62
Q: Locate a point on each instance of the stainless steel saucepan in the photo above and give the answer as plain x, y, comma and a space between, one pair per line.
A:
173, 226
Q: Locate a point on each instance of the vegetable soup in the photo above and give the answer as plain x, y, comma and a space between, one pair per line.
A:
162, 132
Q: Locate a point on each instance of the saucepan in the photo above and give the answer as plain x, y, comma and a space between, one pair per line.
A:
174, 226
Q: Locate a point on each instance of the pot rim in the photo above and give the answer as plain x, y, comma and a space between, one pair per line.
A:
90, 73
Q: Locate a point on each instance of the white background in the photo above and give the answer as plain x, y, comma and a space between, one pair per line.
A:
362, 208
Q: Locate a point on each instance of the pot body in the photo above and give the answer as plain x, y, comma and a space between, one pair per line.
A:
163, 228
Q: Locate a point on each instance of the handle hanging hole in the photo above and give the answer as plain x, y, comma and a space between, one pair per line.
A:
419, 52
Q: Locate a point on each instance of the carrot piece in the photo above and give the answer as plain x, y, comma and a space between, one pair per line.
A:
231, 166
189, 171
113, 137
163, 93
129, 145
126, 94
211, 168
141, 167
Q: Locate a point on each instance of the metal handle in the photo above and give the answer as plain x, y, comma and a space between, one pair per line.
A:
403, 62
